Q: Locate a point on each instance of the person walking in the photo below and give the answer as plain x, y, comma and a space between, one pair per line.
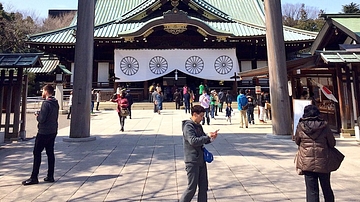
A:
192, 98
154, 100
222, 99
98, 99
70, 104
151, 90
47, 119
261, 103
212, 103
129, 97
194, 139
177, 99
251, 107
228, 97
201, 89
93, 99
159, 101
242, 107
204, 100
314, 138
187, 99
185, 89
228, 112
122, 104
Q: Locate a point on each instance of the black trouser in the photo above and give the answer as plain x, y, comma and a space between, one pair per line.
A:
129, 108
122, 121
155, 108
97, 106
221, 106
41, 142
68, 116
312, 186
197, 176
177, 104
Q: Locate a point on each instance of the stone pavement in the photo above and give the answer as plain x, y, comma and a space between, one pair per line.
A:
145, 163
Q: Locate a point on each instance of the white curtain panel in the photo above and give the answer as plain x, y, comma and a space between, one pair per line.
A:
146, 64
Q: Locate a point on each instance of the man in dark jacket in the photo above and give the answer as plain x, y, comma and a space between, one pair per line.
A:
194, 140
187, 102
129, 97
47, 119
222, 99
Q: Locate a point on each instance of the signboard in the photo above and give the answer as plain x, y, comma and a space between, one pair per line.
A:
298, 108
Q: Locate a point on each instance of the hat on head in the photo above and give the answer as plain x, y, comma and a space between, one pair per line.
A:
311, 111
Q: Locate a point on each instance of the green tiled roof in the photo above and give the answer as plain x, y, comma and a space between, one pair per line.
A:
339, 57
242, 18
13, 60
350, 23
49, 64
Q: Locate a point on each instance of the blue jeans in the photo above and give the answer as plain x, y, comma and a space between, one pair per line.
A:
92, 106
206, 116
212, 111
187, 107
250, 114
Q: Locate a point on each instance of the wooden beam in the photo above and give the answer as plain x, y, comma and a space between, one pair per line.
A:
8, 104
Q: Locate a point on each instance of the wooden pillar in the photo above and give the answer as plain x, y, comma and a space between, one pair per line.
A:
355, 74
349, 103
84, 50
8, 104
23, 107
2, 87
16, 101
279, 94
341, 96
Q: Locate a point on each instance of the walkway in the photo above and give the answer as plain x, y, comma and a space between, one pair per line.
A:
145, 163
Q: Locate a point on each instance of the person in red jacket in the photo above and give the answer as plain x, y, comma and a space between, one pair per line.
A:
123, 104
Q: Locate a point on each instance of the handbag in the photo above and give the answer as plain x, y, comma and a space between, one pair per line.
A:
208, 156
124, 112
335, 157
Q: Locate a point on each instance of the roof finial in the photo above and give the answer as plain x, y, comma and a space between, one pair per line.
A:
175, 3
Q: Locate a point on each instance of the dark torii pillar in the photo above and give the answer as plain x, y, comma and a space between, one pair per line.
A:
84, 49
279, 94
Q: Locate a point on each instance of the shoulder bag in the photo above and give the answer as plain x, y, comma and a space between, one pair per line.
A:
208, 156
335, 157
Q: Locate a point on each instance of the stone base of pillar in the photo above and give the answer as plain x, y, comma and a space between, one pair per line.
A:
284, 136
83, 139
22, 135
63, 111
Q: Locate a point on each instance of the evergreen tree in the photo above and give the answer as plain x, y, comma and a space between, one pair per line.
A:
351, 8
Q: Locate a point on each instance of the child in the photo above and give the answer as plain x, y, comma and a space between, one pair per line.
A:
228, 112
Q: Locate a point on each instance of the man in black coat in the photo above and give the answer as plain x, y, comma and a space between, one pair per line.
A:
47, 119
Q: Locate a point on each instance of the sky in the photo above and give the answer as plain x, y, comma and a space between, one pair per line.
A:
40, 7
